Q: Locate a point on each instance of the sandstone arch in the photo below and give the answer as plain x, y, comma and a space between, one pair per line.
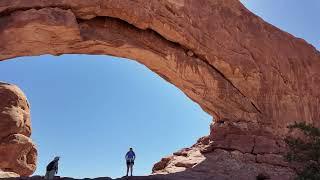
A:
253, 78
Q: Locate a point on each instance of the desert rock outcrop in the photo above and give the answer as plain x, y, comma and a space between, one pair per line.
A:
253, 78
17, 152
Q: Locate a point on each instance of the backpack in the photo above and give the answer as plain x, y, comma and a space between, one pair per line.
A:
50, 166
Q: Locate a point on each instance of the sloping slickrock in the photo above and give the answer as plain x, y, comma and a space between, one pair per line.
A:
223, 164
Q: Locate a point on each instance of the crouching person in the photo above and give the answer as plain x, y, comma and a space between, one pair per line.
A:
52, 168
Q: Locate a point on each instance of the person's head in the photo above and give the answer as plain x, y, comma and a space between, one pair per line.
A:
57, 158
130, 149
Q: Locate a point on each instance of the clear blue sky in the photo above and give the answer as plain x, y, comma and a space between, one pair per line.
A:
91, 109
298, 17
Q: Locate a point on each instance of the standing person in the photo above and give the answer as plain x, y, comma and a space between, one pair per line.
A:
52, 168
130, 157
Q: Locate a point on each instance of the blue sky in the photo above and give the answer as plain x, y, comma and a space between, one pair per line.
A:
298, 17
91, 109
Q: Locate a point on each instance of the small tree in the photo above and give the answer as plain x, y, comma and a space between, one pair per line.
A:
305, 151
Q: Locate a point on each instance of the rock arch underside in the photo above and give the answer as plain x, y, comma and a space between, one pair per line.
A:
253, 78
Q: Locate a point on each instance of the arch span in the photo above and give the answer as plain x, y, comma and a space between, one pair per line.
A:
253, 78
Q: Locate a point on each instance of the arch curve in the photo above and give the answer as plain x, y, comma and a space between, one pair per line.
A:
253, 78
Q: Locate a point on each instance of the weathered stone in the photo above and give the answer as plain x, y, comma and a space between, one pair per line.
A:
161, 164
18, 155
185, 164
243, 143
242, 68
17, 152
182, 152
4, 175
222, 164
14, 111
253, 78
273, 159
244, 157
264, 145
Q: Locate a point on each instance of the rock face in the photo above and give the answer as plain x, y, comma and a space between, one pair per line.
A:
205, 160
8, 175
17, 152
253, 78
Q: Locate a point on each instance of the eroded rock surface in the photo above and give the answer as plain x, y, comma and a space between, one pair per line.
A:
8, 175
17, 152
14, 111
229, 159
253, 78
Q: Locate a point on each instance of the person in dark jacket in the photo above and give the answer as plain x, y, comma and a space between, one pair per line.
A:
52, 168
130, 157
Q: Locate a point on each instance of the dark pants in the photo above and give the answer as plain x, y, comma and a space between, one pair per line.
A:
130, 166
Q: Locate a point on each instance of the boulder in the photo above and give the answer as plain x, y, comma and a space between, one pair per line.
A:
18, 153
14, 111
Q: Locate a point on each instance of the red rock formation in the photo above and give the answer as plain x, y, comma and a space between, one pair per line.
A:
8, 175
253, 78
205, 161
15, 117
17, 152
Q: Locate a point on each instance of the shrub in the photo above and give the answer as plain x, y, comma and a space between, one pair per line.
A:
305, 151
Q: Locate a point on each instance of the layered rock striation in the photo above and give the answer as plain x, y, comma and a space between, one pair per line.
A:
252, 77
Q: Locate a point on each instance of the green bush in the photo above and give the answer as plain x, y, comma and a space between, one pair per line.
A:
305, 151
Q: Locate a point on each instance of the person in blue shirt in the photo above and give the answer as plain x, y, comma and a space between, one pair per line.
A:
130, 157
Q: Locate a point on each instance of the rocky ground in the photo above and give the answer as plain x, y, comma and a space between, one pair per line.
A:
100, 178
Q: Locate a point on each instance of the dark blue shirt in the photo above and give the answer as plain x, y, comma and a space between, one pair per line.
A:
130, 155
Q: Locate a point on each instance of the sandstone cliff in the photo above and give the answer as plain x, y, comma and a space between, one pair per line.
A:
253, 78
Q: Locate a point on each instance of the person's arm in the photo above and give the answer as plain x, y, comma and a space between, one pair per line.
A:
134, 156
126, 156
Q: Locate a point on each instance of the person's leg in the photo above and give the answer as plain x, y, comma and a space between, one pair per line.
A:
47, 175
131, 167
51, 174
127, 168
